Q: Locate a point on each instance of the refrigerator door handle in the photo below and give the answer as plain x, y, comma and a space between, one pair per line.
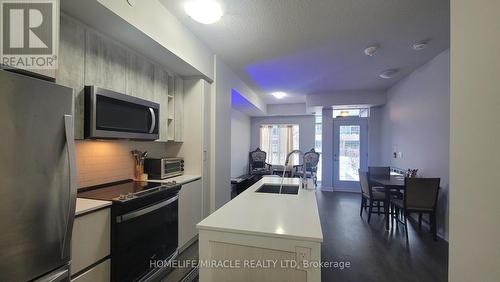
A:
70, 144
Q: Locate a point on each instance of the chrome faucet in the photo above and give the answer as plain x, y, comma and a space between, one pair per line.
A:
285, 168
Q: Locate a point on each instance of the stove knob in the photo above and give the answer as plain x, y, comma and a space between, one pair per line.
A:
130, 195
121, 197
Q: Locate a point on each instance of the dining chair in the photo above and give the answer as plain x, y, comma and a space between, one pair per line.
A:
383, 172
257, 164
420, 197
369, 196
379, 172
309, 166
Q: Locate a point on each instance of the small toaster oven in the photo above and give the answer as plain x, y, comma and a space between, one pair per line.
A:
163, 167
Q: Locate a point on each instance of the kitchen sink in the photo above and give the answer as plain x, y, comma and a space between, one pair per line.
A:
275, 189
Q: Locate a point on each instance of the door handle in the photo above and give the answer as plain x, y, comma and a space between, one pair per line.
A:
147, 210
153, 120
70, 145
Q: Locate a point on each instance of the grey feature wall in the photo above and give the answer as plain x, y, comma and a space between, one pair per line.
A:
416, 122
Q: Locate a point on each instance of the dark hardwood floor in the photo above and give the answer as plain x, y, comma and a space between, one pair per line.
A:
375, 254
184, 274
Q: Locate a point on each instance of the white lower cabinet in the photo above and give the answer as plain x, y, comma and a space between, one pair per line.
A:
90, 242
98, 273
190, 211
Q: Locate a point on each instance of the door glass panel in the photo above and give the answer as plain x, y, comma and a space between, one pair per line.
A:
349, 152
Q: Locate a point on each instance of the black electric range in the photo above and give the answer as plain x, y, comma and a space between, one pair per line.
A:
125, 190
144, 226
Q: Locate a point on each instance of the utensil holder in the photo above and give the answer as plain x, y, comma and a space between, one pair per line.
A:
138, 170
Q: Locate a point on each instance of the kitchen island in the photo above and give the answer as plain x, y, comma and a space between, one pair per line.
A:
263, 236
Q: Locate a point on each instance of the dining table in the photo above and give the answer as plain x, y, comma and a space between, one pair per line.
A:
390, 183
279, 169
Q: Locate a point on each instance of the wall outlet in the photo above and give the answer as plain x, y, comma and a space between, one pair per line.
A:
302, 254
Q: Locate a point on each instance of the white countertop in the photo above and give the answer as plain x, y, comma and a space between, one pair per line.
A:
181, 179
273, 215
87, 205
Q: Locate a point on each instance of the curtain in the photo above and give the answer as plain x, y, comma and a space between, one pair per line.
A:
266, 139
278, 141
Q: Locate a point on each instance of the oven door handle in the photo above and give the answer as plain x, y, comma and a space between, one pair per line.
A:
141, 212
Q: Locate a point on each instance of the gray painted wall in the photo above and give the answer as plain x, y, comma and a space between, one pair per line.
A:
416, 122
240, 142
375, 136
306, 129
220, 139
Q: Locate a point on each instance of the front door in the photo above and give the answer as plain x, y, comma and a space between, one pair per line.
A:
350, 137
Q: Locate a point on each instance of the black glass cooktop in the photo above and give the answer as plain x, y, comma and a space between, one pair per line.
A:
122, 191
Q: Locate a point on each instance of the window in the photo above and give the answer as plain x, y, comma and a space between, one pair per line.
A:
277, 140
318, 136
349, 152
351, 113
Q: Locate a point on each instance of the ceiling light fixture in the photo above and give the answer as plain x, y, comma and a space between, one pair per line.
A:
421, 45
279, 94
371, 50
390, 73
204, 11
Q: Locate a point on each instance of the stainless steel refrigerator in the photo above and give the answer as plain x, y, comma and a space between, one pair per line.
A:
37, 179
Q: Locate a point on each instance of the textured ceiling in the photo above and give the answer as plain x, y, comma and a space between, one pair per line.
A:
309, 46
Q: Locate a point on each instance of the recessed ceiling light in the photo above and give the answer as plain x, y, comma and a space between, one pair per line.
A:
390, 73
371, 50
279, 94
421, 45
204, 11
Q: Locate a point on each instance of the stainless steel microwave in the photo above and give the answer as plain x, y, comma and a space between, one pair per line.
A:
112, 115
164, 167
